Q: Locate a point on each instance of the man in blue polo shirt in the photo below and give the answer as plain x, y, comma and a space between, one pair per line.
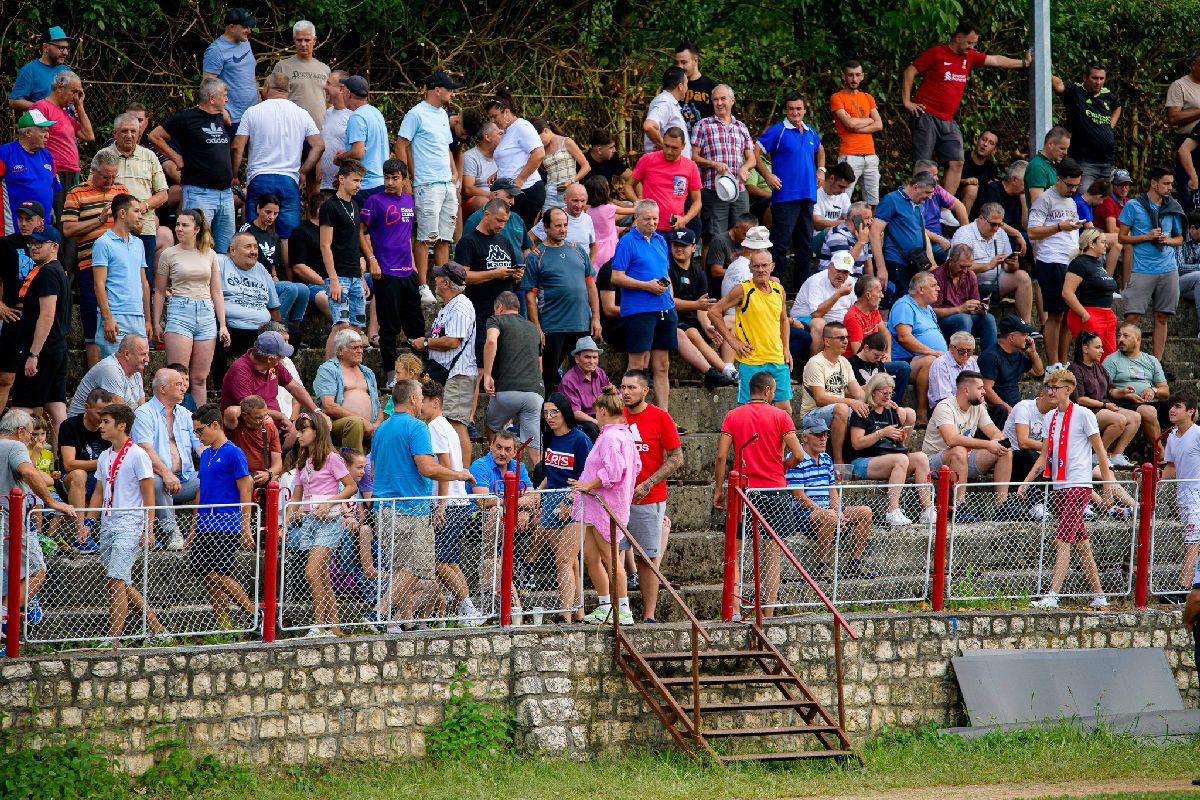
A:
797, 160
899, 244
119, 273
26, 170
640, 269
231, 59
34, 80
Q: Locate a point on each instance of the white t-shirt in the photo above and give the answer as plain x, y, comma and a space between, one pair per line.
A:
1184, 452
983, 250
664, 109
127, 488
580, 230
831, 206
1025, 412
1079, 449
947, 412
1051, 208
443, 439
456, 319
333, 132
480, 167
518, 141
737, 272
816, 290
276, 129
284, 397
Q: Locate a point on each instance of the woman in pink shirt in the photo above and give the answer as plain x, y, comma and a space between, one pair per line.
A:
610, 472
604, 214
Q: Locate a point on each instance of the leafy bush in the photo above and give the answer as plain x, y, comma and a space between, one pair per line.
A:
60, 770
472, 728
177, 771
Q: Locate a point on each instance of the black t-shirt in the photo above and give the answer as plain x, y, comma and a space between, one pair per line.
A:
88, 444
985, 173
697, 103
610, 169
270, 254
50, 281
1006, 370
610, 327
722, 250
869, 424
304, 247
1088, 119
993, 192
342, 216
480, 253
203, 141
13, 254
863, 371
688, 284
1097, 286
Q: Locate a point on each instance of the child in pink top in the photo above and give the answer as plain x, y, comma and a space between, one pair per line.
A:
610, 472
604, 218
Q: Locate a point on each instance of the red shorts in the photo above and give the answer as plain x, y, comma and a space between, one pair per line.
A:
1069, 505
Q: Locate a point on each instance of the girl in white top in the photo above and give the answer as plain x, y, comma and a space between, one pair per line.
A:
188, 282
1072, 437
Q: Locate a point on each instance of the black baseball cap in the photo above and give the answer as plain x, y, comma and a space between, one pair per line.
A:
440, 80
1014, 324
357, 85
506, 185
682, 236
240, 16
31, 208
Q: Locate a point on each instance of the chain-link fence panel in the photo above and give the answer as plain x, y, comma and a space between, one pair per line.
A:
810, 536
1174, 537
884, 543
547, 556
391, 565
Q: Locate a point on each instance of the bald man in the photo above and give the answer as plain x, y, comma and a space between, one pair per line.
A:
579, 223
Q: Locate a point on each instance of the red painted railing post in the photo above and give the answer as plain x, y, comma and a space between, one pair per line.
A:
271, 564
16, 536
945, 481
1148, 475
511, 498
733, 516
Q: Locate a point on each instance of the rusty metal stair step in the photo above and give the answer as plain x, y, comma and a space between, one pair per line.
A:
783, 730
708, 655
792, 756
727, 680
751, 705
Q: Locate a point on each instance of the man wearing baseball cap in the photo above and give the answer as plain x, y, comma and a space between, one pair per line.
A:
26, 170
34, 80
15, 265
695, 332
823, 297
424, 142
45, 294
514, 230
366, 136
1107, 219
231, 59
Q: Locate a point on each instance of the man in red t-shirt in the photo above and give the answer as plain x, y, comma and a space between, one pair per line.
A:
863, 317
259, 372
658, 444
672, 180
944, 69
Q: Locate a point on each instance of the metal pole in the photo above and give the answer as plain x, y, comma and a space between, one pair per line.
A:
511, 498
945, 478
837, 665
271, 564
12, 633
1141, 586
733, 514
1041, 96
758, 615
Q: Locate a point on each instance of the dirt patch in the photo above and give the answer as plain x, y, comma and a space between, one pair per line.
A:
1024, 791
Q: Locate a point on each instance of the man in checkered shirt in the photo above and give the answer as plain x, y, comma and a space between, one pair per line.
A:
721, 145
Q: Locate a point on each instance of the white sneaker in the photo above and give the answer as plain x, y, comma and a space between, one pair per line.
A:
730, 372
1119, 460
1037, 511
1099, 601
1089, 512
427, 295
1049, 600
395, 629
897, 519
176, 542
929, 516
468, 615
317, 633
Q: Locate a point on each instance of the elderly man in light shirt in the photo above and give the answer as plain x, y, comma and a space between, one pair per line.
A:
163, 428
943, 373
824, 297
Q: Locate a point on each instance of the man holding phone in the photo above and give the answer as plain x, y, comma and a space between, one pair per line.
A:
1003, 364
1054, 230
994, 262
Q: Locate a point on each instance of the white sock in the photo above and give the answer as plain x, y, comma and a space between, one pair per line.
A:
604, 599
729, 369
466, 607
623, 603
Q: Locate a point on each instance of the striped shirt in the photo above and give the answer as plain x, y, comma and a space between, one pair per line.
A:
83, 203
722, 142
143, 174
814, 476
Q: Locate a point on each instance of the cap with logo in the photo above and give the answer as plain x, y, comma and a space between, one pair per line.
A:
55, 34
506, 185
34, 119
240, 16
357, 85
452, 271
1121, 177
1014, 324
440, 80
272, 343
46, 233
757, 238
31, 208
682, 236
842, 261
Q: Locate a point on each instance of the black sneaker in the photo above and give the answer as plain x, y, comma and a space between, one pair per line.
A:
523, 576
823, 572
855, 568
631, 581
715, 379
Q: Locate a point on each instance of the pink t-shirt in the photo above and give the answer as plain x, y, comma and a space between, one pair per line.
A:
615, 461
61, 141
667, 183
604, 221
324, 482
761, 463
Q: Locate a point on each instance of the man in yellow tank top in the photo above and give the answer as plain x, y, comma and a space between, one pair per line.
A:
761, 328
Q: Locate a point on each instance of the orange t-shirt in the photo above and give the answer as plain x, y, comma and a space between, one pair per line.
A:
859, 106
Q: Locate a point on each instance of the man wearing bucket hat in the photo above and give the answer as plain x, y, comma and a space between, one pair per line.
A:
26, 170
724, 151
34, 80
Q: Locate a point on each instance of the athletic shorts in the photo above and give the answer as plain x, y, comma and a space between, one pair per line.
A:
1050, 279
645, 525
1069, 504
1158, 293
933, 136
215, 552
781, 373
651, 330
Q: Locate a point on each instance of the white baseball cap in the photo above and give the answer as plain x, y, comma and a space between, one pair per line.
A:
842, 261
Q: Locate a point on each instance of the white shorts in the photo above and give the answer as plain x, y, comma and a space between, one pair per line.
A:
1190, 516
437, 211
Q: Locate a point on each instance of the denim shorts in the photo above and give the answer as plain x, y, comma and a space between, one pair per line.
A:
551, 502
313, 532
859, 467
120, 549
352, 310
192, 318
126, 324
437, 211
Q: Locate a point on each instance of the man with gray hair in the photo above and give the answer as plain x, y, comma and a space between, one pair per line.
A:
197, 141
722, 146
231, 59
120, 374
479, 168
64, 106
139, 170
993, 260
943, 372
900, 245
163, 428
348, 392
306, 75
959, 306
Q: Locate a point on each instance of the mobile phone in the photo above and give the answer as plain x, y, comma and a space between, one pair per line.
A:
1005, 443
664, 281
673, 220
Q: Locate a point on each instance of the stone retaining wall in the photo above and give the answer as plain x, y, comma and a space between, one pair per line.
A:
295, 701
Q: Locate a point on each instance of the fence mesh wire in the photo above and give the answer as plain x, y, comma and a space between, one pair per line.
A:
1004, 543
392, 565
547, 555
851, 549
1175, 536
106, 578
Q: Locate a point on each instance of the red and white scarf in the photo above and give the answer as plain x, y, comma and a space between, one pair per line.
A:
1058, 450
111, 479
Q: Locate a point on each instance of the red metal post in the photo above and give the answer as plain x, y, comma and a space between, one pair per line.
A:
16, 535
733, 516
944, 485
511, 497
271, 564
1149, 489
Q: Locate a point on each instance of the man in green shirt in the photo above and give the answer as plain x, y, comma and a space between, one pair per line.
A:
1139, 382
1042, 171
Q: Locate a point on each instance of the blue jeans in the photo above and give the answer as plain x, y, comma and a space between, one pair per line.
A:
900, 371
288, 193
293, 300
981, 325
217, 205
